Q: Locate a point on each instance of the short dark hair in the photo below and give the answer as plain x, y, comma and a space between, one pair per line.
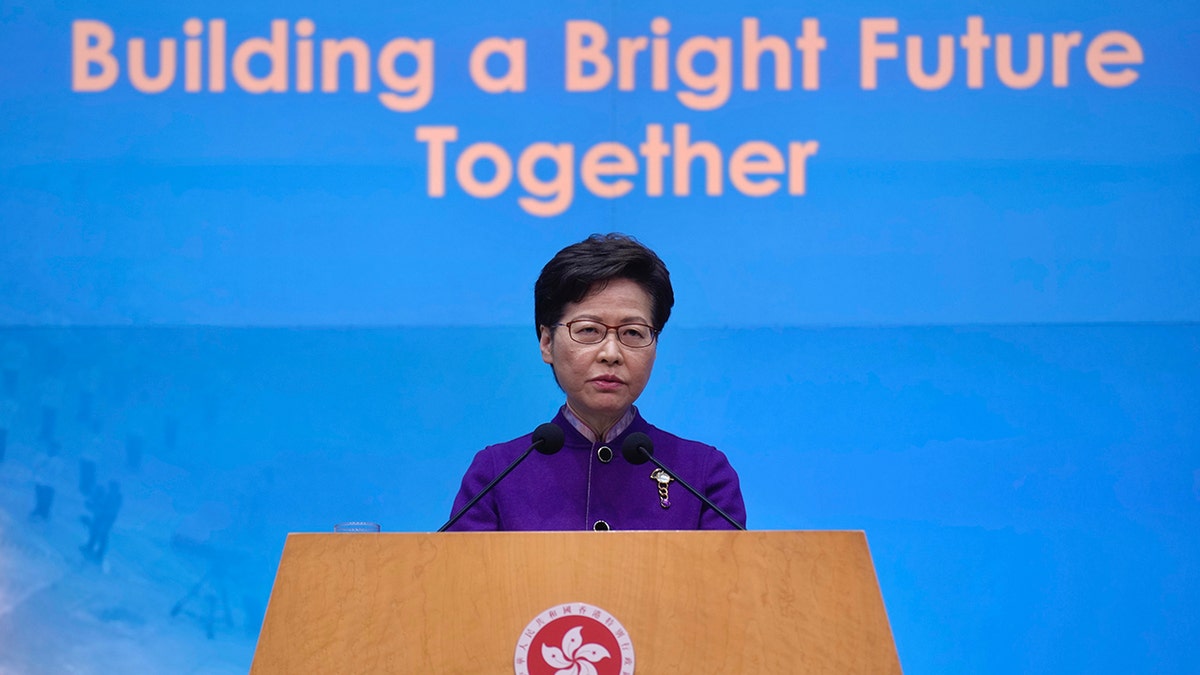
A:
589, 265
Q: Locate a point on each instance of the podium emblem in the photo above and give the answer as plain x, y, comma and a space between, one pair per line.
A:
574, 639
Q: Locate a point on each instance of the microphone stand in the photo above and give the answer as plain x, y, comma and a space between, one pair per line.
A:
479, 495
547, 439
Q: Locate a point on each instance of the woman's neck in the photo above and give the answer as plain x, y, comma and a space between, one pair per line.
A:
598, 426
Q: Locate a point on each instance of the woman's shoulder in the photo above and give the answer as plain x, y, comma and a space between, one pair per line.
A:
508, 448
702, 461
665, 439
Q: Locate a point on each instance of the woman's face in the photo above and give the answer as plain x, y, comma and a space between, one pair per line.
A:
602, 380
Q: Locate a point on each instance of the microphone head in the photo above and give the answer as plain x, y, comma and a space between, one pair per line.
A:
548, 438
637, 448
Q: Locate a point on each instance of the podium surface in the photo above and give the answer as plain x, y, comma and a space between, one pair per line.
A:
691, 602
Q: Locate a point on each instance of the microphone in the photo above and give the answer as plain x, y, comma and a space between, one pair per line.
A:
547, 439
638, 449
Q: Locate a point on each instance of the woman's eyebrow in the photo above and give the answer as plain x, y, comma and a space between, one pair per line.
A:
636, 318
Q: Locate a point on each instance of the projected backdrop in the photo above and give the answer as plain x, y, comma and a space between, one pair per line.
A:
937, 269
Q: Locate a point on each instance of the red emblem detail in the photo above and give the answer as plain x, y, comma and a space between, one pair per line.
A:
574, 639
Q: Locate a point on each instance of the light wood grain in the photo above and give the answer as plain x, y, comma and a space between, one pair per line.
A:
693, 602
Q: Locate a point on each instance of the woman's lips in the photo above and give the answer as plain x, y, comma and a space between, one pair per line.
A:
607, 382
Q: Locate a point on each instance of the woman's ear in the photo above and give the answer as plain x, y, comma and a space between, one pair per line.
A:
546, 341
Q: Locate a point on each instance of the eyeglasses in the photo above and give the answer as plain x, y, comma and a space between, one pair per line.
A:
588, 332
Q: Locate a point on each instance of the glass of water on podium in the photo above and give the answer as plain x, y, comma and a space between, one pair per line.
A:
356, 527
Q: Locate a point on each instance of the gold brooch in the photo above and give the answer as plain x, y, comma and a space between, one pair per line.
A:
664, 481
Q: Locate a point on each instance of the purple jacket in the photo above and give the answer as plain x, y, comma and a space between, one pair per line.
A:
574, 490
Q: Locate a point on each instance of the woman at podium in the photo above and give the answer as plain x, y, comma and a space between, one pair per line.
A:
599, 308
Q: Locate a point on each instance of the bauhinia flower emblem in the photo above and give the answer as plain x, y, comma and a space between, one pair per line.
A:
575, 658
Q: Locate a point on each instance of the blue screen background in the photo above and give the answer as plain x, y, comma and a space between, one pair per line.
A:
975, 338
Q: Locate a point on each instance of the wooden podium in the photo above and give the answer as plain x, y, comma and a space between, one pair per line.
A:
692, 602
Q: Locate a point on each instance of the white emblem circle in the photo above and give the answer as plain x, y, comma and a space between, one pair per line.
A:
526, 639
